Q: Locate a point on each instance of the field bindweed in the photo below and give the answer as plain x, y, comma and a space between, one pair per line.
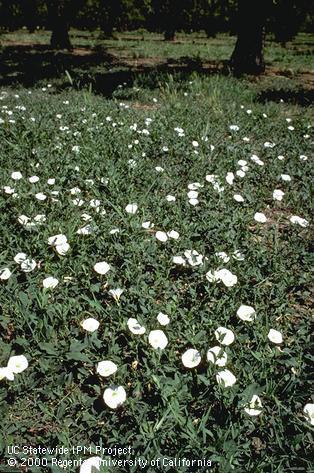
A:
217, 356
90, 324
157, 339
246, 313
275, 336
106, 368
254, 406
226, 378
224, 336
102, 267
191, 358
114, 396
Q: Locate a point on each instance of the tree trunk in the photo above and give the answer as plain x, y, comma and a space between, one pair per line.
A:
59, 24
60, 36
29, 12
170, 34
247, 57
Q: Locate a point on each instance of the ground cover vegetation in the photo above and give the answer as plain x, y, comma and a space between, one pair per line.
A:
155, 263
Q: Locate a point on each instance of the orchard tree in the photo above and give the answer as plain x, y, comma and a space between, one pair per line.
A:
60, 15
167, 17
29, 14
247, 57
287, 18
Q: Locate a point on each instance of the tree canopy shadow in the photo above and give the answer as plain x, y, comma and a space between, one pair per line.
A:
29, 64
26, 65
300, 96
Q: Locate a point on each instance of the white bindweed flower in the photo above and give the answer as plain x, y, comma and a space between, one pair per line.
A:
131, 208
147, 225
211, 178
193, 186
87, 230
51, 181
226, 277
33, 179
163, 319
230, 178
278, 194
114, 396
8, 190
223, 256
20, 257
40, 218
254, 406
78, 202
217, 356
106, 368
62, 249
275, 336
224, 336
238, 198
5, 274
50, 282
157, 339
179, 260
300, 221
75, 190
256, 160
240, 173
246, 313
173, 234
193, 257
260, 217
5, 373
116, 293
195, 144
161, 236
159, 169
40, 196
28, 265
309, 412
17, 364
234, 128
303, 157
90, 324
16, 176
170, 198
102, 267
237, 255
191, 358
57, 239
210, 276
285, 177
192, 194
226, 378
135, 327
193, 202
269, 144
86, 217
95, 203
23, 219
91, 465
242, 162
